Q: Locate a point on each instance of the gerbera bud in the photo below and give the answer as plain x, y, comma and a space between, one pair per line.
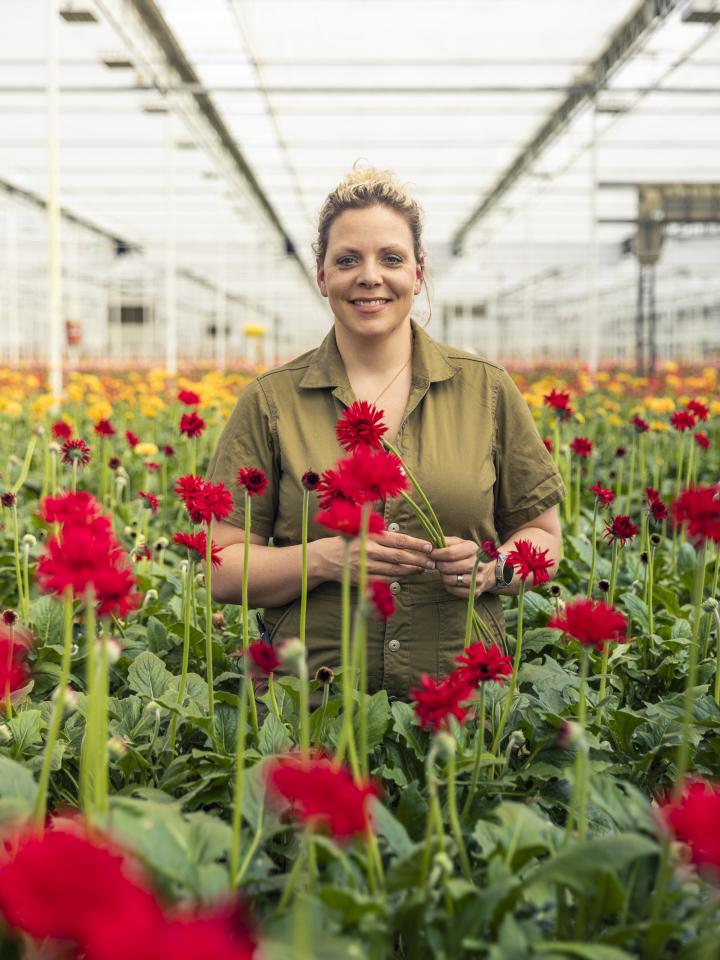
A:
151, 595
113, 647
183, 566
114, 463
7, 499
325, 675
9, 617
29, 540
445, 744
161, 543
120, 482
153, 708
71, 698
554, 590
604, 585
54, 448
710, 605
443, 863
5, 733
644, 557
291, 652
117, 747
569, 734
310, 480
218, 620
655, 539
516, 740
200, 579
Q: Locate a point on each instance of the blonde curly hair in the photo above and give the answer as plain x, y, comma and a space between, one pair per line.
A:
365, 186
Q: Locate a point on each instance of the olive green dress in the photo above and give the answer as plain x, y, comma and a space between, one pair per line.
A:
466, 434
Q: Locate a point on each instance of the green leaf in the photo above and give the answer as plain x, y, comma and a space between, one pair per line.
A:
586, 951
378, 718
157, 638
523, 832
406, 726
273, 736
47, 617
391, 828
17, 790
148, 676
637, 610
26, 729
579, 867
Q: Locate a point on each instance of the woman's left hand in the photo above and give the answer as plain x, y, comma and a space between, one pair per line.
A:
458, 557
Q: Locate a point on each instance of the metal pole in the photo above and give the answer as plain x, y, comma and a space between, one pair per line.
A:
11, 272
594, 302
53, 210
170, 253
220, 308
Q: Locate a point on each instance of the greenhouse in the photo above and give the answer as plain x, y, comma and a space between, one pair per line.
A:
360, 511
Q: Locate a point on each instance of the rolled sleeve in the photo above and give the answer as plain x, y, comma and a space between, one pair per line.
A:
527, 480
248, 440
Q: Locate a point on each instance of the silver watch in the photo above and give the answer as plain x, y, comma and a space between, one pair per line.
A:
503, 571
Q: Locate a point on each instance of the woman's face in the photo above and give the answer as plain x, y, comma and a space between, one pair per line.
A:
370, 257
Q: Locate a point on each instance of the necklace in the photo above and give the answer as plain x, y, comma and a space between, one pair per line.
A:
387, 387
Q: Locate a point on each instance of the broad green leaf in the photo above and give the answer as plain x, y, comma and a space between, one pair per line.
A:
637, 610
378, 718
391, 828
26, 729
157, 638
579, 867
148, 675
274, 737
17, 790
47, 617
406, 726
586, 951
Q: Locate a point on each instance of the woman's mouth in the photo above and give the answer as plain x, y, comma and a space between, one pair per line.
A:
366, 305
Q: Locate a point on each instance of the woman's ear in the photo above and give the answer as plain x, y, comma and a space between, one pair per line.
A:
320, 275
419, 273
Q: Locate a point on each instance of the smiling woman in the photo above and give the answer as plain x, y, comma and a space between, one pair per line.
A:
458, 421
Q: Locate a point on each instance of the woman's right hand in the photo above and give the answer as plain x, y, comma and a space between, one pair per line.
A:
390, 556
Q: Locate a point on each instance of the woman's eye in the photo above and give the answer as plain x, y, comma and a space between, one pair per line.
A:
393, 258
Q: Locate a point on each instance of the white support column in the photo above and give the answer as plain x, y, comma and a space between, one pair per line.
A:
53, 209
170, 312
12, 288
221, 312
593, 291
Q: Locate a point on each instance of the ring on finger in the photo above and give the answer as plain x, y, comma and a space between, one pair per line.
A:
459, 580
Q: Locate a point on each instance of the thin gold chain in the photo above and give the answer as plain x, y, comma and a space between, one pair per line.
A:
387, 387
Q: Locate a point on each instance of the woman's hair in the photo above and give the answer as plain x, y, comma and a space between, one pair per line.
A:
365, 187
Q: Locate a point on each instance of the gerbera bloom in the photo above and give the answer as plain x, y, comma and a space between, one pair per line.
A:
334, 486
263, 657
61, 430
373, 474
559, 401
7, 499
115, 591
620, 528
360, 425
702, 440
682, 420
657, 510
695, 820
438, 700
114, 463
76, 451
204, 501
548, 444
224, 934
191, 424
592, 623
489, 548
71, 508
382, 599
252, 480
152, 466
603, 496
698, 410
103, 428
188, 486
651, 494
529, 559
197, 542
322, 795
478, 664
344, 518
14, 643
168, 450
582, 446
189, 398
150, 500
620, 452
698, 509
310, 480
640, 425
132, 438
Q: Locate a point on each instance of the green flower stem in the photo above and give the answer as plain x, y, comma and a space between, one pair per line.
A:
246, 608
273, 698
101, 755
454, 819
359, 652
434, 816
479, 748
427, 526
515, 669
593, 563
606, 645
481, 629
74, 470
690, 474
419, 490
650, 598
304, 575
304, 707
581, 751
556, 442
658, 898
54, 471
717, 657
58, 709
620, 479
347, 734
631, 478
683, 755
576, 474
25, 608
209, 626
716, 572
643, 460
192, 451
103, 470
471, 601
25, 469
323, 712
8, 667
187, 598
16, 553
375, 858
88, 749
45, 488
250, 853
239, 780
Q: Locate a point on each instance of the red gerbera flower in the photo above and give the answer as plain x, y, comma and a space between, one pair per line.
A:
150, 500
480, 664
702, 440
197, 542
373, 475
252, 480
640, 425
152, 466
73, 558
548, 444
61, 430
651, 494
72, 508
592, 623
344, 518
620, 528
132, 438
224, 934
682, 420
657, 510
14, 645
263, 657
188, 486
603, 496
204, 501
189, 398
310, 480
76, 451
698, 509
335, 486
698, 410
7, 499
191, 424
559, 401
438, 700
322, 795
489, 548
103, 428
360, 425
582, 446
529, 559
695, 820
168, 450
382, 599
114, 463
115, 590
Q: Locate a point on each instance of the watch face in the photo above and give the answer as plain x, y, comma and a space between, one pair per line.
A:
507, 572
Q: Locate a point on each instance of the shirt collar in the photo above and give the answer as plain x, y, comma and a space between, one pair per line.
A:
430, 362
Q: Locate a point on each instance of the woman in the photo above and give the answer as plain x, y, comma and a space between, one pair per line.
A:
458, 420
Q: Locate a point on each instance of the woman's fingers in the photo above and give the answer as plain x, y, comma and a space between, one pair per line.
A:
461, 550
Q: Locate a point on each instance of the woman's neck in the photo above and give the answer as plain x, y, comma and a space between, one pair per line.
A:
376, 357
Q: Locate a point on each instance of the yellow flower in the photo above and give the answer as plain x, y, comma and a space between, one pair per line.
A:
151, 406
533, 399
75, 392
579, 417
659, 426
670, 366
615, 421
100, 410
602, 376
11, 407
660, 404
715, 406
616, 388
40, 405
145, 449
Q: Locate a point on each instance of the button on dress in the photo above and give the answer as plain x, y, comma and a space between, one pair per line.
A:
466, 434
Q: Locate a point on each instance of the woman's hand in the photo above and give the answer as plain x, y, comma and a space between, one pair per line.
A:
390, 556
458, 557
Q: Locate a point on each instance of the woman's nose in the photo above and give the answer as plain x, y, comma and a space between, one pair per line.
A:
370, 274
